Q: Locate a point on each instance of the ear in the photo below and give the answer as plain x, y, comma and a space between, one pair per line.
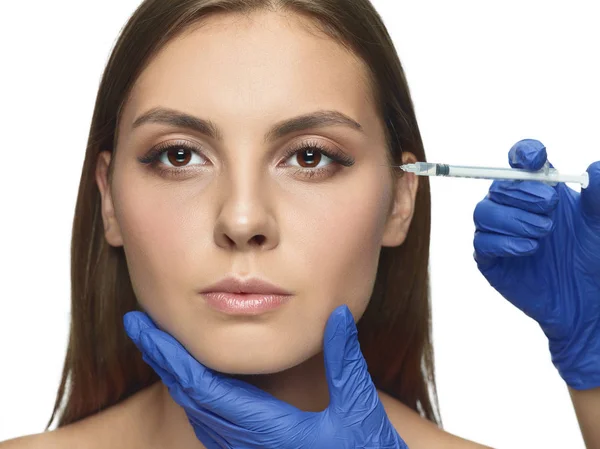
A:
112, 231
403, 207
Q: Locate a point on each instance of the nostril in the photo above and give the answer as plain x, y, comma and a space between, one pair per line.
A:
259, 239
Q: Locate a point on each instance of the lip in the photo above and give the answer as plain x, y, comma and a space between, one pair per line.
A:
253, 285
245, 296
244, 303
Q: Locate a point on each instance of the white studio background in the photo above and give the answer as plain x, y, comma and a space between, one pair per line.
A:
483, 75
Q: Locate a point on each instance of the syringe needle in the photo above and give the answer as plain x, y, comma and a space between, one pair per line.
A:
411, 168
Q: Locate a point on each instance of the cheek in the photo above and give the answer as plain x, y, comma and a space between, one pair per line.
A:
153, 230
345, 243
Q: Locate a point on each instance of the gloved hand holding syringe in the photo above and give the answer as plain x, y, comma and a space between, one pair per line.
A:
547, 174
537, 244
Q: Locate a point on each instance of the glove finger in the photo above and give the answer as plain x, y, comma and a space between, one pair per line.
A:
590, 196
205, 423
532, 196
135, 322
334, 343
529, 154
237, 402
506, 220
167, 378
201, 420
345, 366
491, 245
209, 438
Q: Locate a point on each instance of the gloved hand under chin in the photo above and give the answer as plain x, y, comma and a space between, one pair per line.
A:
230, 413
539, 246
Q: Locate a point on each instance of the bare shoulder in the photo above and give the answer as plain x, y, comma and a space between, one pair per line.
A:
47, 440
116, 427
418, 432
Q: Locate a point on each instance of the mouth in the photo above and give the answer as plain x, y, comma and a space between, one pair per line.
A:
245, 303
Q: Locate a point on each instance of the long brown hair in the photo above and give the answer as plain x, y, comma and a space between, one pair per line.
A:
102, 366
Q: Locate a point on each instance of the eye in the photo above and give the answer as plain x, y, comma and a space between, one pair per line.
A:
308, 157
172, 158
310, 154
176, 155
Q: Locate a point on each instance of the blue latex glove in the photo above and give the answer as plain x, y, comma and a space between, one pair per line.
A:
539, 246
230, 413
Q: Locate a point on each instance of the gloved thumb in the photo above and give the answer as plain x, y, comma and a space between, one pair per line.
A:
528, 154
345, 366
590, 196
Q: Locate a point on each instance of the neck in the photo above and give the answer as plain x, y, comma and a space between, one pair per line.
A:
304, 386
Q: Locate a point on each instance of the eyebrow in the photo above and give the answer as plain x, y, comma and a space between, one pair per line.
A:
180, 119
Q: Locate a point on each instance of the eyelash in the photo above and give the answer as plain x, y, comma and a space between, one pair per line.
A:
152, 158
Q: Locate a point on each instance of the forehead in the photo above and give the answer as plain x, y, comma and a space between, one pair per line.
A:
266, 64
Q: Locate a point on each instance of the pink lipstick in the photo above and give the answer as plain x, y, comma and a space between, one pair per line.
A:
244, 303
251, 296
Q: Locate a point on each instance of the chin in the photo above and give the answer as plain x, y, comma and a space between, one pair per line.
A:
263, 359
269, 364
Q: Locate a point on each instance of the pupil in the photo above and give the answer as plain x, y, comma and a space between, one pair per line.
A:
311, 155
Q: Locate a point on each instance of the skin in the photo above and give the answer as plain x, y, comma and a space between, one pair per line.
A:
587, 410
242, 208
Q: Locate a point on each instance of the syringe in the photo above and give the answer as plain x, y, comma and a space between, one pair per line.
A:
546, 174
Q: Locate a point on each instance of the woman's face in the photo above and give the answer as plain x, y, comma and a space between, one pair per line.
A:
241, 206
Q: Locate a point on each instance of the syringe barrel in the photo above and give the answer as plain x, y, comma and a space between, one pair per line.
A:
502, 173
551, 175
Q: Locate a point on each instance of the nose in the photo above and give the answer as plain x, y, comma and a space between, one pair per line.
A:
246, 222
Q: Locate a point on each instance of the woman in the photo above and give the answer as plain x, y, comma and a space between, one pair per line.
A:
256, 139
